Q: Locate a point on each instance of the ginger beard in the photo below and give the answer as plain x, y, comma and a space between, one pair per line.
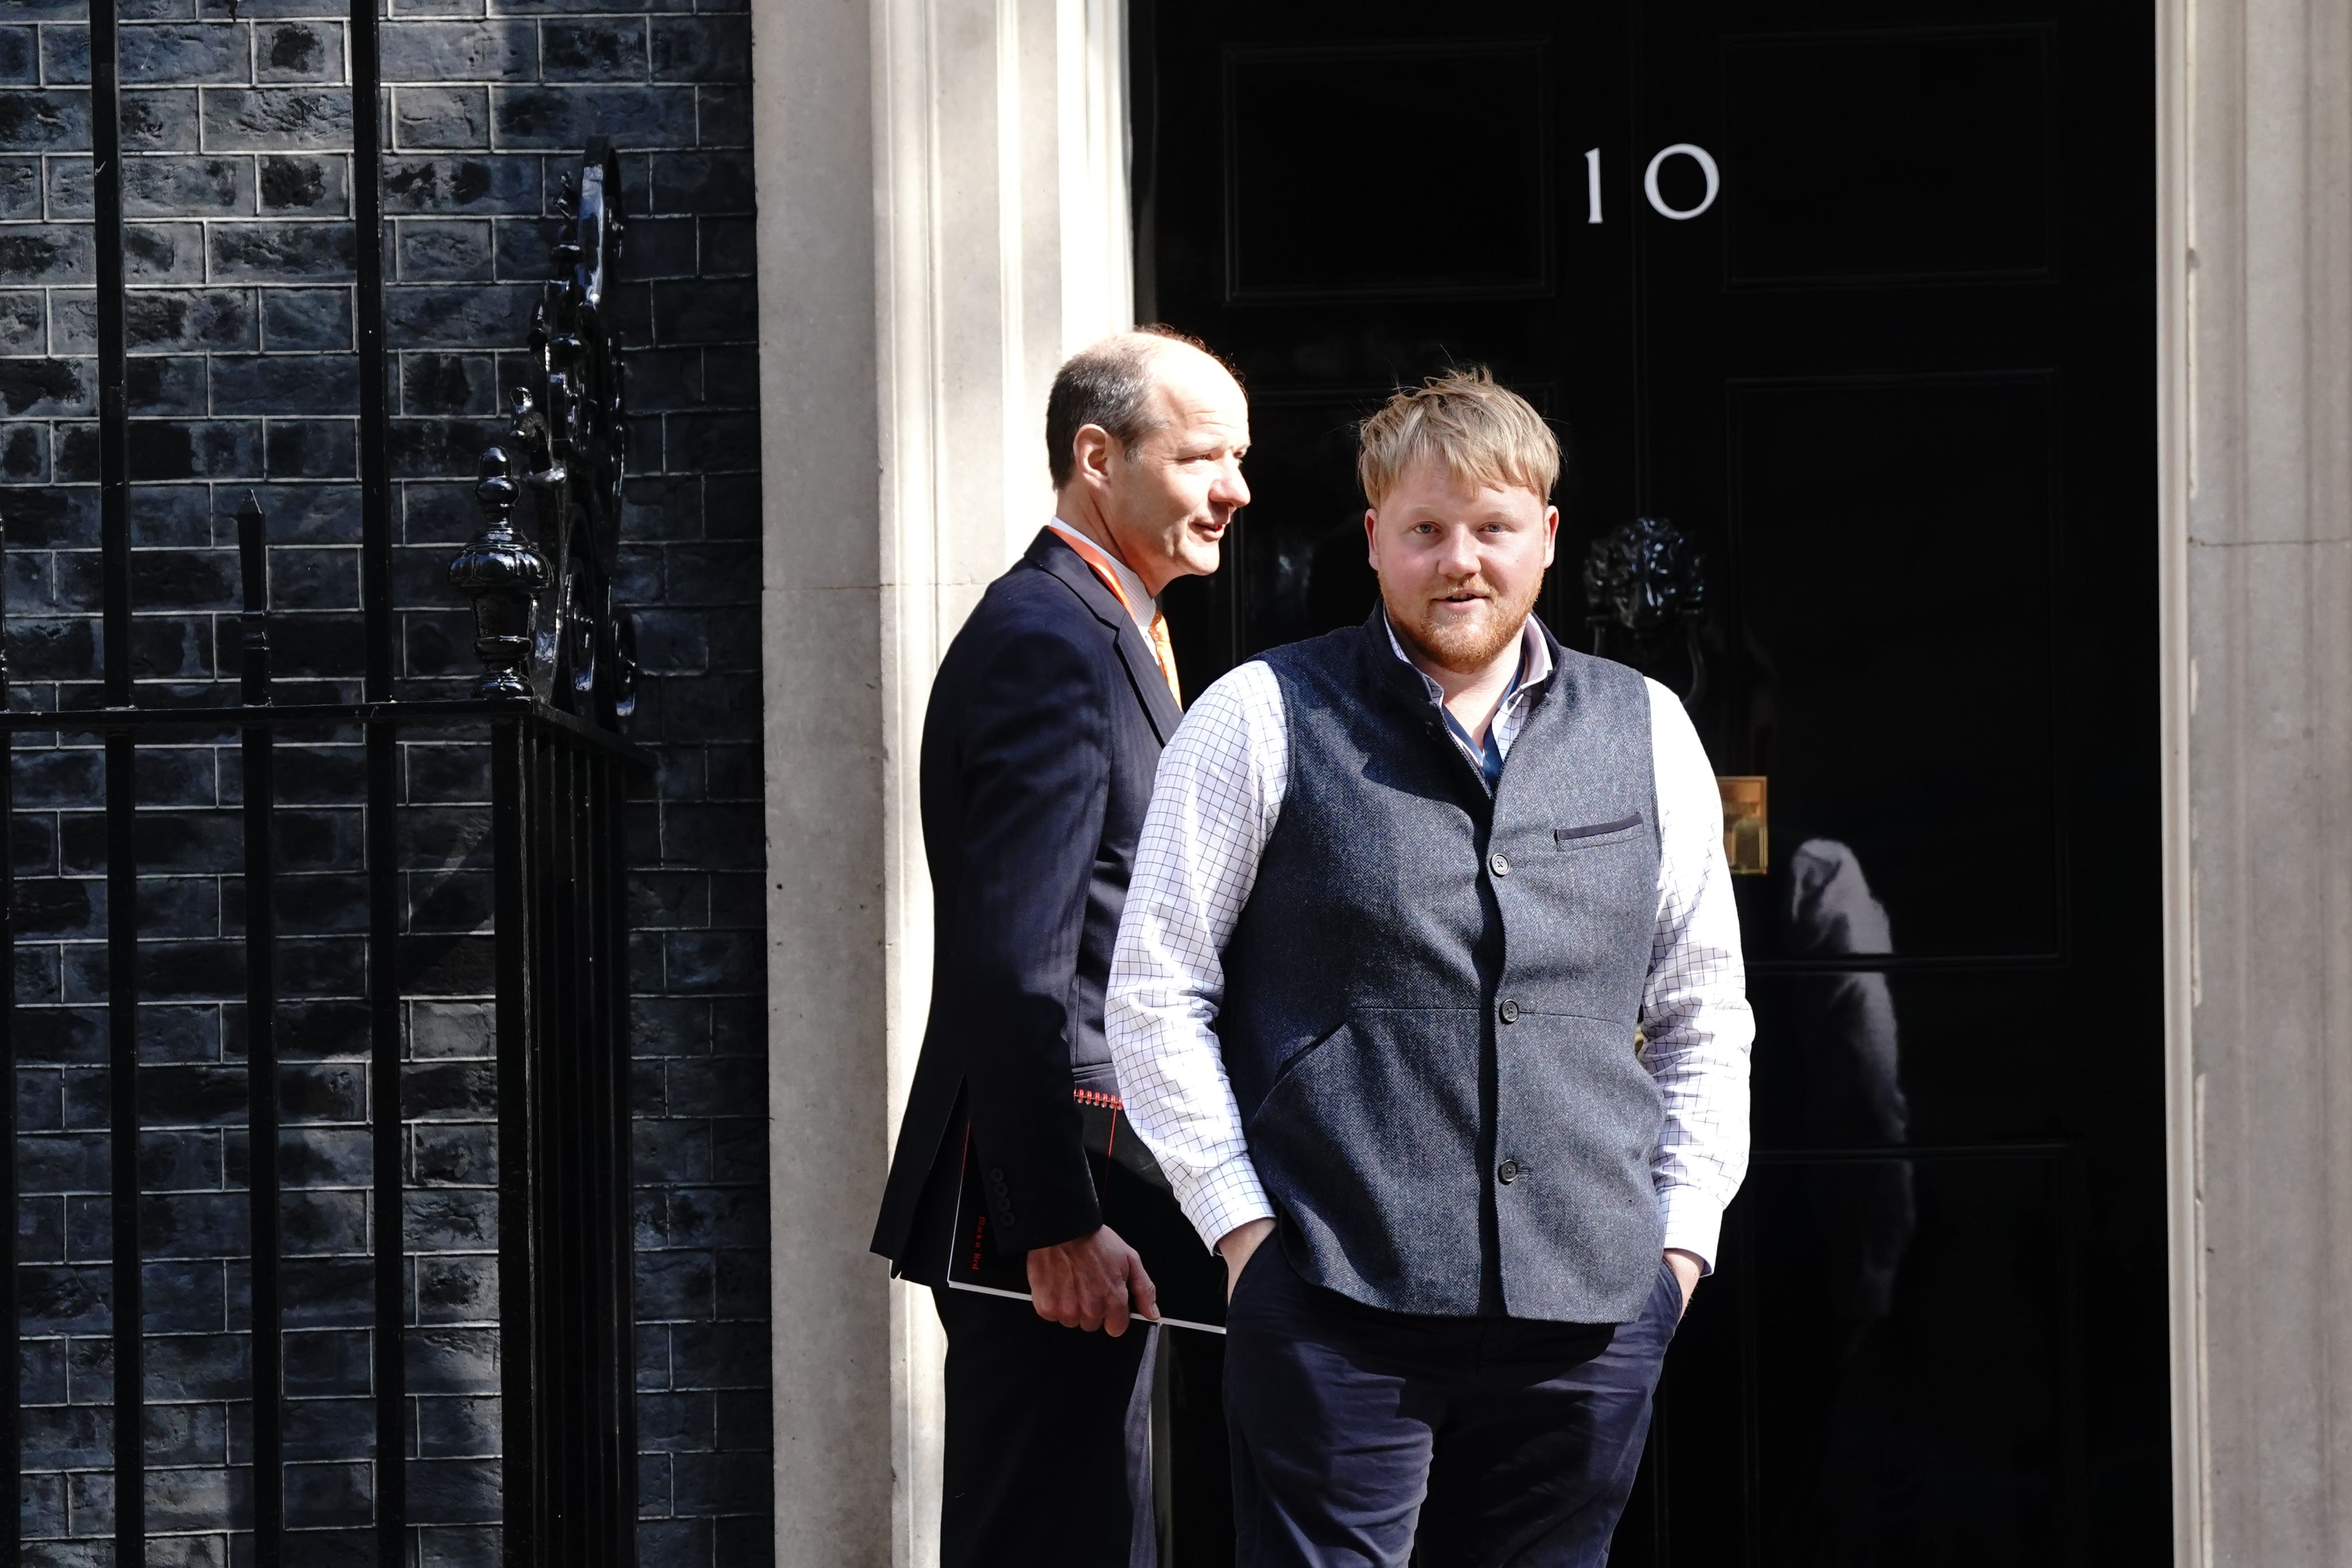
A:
1465, 625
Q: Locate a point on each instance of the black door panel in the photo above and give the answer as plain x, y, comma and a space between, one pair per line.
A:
1896, 383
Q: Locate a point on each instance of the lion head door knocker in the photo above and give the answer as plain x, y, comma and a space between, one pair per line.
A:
1645, 596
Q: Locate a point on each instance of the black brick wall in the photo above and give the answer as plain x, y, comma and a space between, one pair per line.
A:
241, 257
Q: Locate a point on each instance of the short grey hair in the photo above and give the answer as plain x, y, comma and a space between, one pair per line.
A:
1108, 385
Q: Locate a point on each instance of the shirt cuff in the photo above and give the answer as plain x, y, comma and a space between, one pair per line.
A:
1224, 1199
1694, 1223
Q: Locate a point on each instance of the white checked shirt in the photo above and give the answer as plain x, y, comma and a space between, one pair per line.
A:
1218, 795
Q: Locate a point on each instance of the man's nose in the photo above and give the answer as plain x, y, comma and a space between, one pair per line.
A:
1231, 489
1457, 554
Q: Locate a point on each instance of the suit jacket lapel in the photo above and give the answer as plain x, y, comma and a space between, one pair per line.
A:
1051, 555
1143, 669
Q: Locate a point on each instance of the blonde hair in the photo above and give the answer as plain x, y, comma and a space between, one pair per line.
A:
1482, 432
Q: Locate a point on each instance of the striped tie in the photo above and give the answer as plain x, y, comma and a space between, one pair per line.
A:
1163, 651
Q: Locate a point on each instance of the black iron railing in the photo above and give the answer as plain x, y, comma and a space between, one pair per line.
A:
549, 710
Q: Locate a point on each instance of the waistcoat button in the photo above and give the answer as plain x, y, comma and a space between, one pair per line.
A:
1509, 1010
1507, 1172
1500, 862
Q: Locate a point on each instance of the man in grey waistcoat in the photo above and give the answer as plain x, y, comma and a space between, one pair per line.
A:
1430, 974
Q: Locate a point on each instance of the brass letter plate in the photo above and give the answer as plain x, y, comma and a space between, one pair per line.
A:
1746, 844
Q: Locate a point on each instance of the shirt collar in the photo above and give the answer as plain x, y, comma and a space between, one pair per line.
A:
1140, 605
1535, 663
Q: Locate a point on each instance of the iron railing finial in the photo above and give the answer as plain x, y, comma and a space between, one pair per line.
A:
253, 623
502, 573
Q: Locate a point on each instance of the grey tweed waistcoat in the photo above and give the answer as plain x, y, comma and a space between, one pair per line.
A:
1432, 993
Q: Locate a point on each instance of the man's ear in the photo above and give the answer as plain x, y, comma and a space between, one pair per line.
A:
1090, 453
1551, 533
1372, 539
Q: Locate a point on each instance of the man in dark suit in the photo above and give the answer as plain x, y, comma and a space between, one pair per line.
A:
1044, 728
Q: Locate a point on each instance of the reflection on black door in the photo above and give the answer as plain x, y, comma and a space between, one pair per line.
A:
1856, 297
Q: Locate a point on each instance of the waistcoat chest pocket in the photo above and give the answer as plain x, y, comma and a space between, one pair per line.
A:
1595, 833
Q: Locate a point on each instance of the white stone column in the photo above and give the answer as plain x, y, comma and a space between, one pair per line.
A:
2256, 273
943, 218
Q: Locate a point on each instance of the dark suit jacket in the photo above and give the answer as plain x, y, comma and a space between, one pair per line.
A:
1043, 730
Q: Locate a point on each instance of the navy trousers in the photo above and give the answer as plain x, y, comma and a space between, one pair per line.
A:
1364, 1438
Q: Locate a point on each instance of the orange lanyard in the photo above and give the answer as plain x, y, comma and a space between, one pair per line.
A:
1163, 651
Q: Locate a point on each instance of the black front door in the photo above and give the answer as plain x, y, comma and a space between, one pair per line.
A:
1856, 300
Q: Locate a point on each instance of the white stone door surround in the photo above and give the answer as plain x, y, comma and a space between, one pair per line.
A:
942, 217
942, 193
2253, 141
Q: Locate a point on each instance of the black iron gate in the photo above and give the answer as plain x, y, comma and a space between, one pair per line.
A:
547, 713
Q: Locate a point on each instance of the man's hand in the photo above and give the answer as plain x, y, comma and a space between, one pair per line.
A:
1094, 1282
1235, 1246
1687, 1267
